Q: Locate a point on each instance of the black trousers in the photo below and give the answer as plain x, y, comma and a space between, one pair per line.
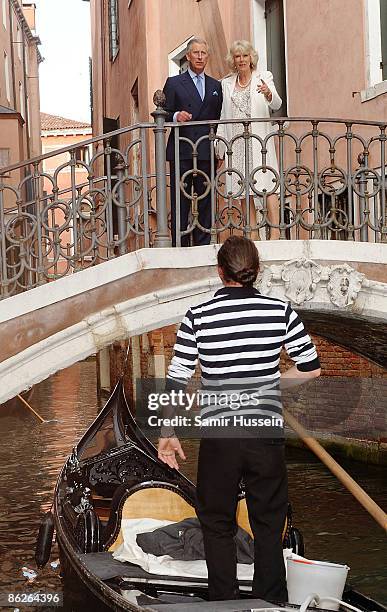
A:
222, 464
204, 205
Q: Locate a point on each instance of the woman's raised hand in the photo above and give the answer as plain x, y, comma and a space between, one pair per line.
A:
264, 89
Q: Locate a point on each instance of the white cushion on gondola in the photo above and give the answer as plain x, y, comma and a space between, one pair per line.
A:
130, 551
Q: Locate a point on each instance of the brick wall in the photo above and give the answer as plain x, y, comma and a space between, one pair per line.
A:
348, 399
339, 361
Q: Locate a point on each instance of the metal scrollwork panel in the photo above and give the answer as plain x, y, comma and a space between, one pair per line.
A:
294, 179
132, 466
66, 218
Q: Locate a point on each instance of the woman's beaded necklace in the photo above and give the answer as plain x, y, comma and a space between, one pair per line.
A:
243, 86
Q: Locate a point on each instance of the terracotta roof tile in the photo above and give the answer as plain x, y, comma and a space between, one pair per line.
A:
53, 122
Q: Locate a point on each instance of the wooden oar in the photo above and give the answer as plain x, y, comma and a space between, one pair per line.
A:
362, 497
32, 410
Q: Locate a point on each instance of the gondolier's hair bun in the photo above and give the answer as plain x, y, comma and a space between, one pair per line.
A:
246, 277
239, 260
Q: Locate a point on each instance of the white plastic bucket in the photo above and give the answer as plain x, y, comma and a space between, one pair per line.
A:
325, 579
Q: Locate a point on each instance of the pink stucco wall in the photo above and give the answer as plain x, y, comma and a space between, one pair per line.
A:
325, 57
149, 31
326, 60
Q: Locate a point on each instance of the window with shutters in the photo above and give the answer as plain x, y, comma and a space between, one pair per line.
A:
114, 38
374, 34
4, 12
4, 157
275, 49
375, 50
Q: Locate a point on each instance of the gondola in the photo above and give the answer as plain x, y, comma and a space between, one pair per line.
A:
114, 474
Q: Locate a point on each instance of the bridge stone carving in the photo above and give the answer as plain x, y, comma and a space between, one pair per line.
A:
335, 284
298, 280
301, 277
344, 285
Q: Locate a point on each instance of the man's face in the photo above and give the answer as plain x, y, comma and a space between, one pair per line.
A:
198, 57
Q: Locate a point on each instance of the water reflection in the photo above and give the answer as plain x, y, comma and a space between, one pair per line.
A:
334, 525
31, 455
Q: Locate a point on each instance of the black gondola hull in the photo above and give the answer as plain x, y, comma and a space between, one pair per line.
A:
113, 460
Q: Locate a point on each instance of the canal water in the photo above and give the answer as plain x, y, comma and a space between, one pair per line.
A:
334, 525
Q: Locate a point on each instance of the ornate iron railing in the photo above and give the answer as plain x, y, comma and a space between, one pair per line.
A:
60, 213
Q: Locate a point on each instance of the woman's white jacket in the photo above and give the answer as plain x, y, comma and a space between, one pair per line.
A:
259, 109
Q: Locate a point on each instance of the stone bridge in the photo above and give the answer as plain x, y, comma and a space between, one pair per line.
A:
340, 289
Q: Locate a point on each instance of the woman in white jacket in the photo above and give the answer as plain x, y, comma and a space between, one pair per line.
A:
248, 93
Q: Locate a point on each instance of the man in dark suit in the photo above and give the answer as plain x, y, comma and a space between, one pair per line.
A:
192, 96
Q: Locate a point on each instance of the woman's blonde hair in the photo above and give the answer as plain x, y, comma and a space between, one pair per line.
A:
243, 47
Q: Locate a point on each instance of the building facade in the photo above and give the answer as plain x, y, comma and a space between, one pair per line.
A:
328, 57
19, 83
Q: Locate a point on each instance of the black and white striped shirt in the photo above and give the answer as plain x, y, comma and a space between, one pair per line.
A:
237, 337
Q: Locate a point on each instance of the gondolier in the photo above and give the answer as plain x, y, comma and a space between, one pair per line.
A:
237, 337
113, 487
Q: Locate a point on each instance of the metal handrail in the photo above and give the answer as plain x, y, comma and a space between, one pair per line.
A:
382, 124
169, 124
69, 148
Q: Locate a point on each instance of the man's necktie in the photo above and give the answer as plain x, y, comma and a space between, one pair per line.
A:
199, 86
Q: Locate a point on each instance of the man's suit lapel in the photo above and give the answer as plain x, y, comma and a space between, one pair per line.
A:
190, 85
200, 104
209, 90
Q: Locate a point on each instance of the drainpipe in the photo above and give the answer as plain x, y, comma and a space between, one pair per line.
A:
27, 119
10, 11
103, 58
